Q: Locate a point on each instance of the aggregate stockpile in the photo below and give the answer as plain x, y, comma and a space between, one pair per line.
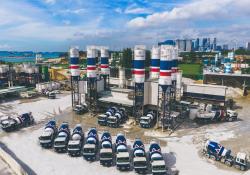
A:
106, 151
149, 120
157, 161
14, 123
139, 157
119, 118
76, 142
91, 145
218, 152
46, 140
122, 153
62, 138
102, 118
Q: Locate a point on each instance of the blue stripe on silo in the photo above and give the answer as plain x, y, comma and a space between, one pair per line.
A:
155, 62
139, 64
165, 65
104, 60
74, 60
91, 61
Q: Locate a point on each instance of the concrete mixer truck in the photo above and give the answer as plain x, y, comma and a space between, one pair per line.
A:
157, 161
102, 118
117, 119
62, 138
139, 157
149, 120
106, 151
91, 146
13, 123
49, 133
122, 153
76, 142
218, 152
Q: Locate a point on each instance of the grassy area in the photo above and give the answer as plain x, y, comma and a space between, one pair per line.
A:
193, 71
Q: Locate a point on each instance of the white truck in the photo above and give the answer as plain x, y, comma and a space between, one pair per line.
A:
76, 142
106, 151
157, 161
139, 157
49, 133
148, 120
122, 153
62, 138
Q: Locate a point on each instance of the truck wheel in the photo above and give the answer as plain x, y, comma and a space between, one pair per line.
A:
228, 163
213, 158
242, 168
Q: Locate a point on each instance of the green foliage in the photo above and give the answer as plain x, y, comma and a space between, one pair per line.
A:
242, 52
193, 71
245, 70
127, 57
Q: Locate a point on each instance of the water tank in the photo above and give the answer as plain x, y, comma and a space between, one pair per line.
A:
174, 67
91, 61
155, 63
139, 63
105, 61
165, 66
74, 62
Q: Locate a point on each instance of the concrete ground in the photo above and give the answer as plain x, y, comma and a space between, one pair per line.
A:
182, 148
5, 169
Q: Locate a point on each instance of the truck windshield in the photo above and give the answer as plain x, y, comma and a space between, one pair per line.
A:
59, 143
123, 159
73, 146
159, 167
45, 137
106, 155
139, 163
88, 150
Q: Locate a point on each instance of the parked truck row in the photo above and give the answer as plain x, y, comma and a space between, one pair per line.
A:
113, 117
118, 154
217, 152
10, 123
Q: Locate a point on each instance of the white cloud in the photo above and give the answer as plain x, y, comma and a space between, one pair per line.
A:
73, 11
137, 10
118, 10
196, 10
50, 1
4, 46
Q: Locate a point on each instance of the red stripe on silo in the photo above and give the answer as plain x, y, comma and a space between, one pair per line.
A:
165, 74
139, 72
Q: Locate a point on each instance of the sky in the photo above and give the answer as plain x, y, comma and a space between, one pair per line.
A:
55, 25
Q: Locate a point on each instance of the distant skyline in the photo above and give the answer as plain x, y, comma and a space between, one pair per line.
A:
55, 25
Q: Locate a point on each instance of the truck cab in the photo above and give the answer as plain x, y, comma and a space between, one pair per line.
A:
91, 146
241, 161
80, 109
148, 120
103, 118
76, 142
231, 115
106, 151
139, 157
117, 119
62, 139
122, 153
158, 165
47, 138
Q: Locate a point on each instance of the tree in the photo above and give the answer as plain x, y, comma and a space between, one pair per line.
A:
127, 57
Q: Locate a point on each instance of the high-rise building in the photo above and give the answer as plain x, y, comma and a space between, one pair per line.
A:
188, 43
197, 44
225, 47
214, 44
181, 45
248, 45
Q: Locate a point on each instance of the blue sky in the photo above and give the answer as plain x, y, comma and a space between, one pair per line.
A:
55, 25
